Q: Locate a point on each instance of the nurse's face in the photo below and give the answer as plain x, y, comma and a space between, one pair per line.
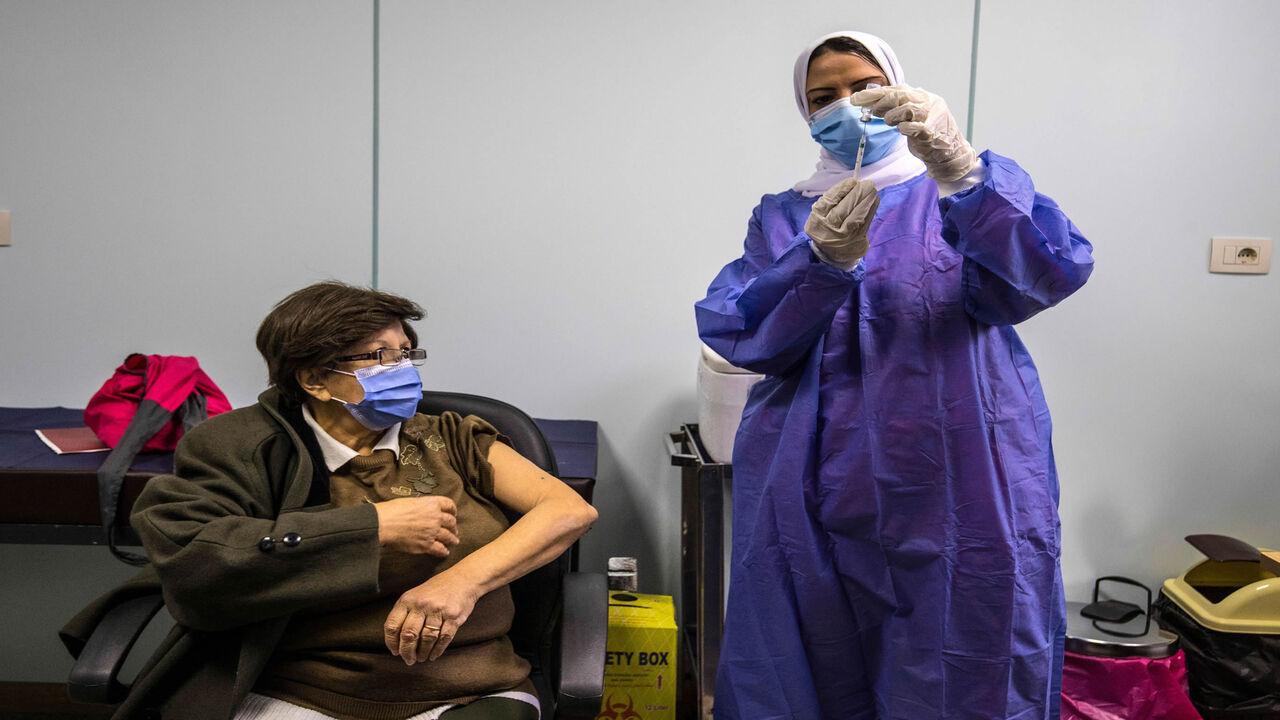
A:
835, 75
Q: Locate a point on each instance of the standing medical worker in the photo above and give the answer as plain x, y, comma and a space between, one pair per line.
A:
895, 527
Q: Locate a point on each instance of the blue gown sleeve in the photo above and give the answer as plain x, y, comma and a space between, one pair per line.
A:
765, 310
1021, 253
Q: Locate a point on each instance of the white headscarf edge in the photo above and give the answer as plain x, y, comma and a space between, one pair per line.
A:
880, 49
895, 167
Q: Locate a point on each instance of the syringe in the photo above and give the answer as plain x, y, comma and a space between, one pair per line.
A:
862, 142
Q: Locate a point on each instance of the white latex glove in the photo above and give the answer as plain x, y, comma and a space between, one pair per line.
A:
931, 130
838, 222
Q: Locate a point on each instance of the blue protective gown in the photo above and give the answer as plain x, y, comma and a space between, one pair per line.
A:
895, 527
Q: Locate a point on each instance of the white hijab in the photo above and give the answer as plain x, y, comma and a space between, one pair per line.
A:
897, 166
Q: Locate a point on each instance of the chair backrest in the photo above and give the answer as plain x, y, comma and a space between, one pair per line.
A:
510, 420
537, 596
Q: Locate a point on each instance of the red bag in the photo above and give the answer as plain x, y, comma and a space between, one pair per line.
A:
146, 405
155, 385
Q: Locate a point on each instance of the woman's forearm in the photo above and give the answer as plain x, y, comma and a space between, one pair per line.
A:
537, 538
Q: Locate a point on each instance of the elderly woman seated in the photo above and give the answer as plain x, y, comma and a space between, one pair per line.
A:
330, 553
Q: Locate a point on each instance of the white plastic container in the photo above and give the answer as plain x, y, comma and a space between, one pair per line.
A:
722, 393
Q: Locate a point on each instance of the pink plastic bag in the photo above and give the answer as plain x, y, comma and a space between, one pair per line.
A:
1130, 688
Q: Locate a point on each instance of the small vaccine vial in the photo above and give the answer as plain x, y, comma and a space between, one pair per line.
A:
866, 111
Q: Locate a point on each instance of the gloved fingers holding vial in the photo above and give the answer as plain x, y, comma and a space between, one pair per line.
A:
931, 130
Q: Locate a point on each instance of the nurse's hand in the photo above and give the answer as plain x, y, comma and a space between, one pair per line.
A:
931, 130
838, 222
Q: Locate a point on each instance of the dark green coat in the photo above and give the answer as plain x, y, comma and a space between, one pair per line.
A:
239, 477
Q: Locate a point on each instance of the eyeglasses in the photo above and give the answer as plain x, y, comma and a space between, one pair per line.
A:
390, 356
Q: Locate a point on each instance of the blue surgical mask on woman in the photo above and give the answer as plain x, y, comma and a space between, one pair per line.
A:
838, 127
391, 394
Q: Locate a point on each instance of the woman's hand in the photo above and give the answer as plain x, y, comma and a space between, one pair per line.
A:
931, 130
425, 619
839, 220
425, 525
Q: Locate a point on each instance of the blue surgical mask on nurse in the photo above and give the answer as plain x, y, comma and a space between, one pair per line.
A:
838, 127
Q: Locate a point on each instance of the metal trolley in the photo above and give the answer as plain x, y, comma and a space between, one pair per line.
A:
702, 505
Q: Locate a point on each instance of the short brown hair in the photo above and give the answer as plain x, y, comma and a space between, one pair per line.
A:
313, 327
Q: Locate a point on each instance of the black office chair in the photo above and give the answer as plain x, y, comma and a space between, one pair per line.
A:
560, 623
548, 631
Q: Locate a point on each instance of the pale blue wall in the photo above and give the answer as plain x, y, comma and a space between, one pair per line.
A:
173, 168
559, 182
1149, 122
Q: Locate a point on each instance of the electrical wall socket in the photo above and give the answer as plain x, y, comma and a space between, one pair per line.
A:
1246, 256
4, 227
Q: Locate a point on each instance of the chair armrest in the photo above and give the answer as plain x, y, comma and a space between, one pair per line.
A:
93, 677
583, 630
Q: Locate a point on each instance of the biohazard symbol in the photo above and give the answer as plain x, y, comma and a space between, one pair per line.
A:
618, 710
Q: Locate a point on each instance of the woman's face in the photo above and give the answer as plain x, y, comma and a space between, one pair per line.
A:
835, 75
347, 387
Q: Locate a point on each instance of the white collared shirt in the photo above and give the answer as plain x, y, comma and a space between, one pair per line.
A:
336, 454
